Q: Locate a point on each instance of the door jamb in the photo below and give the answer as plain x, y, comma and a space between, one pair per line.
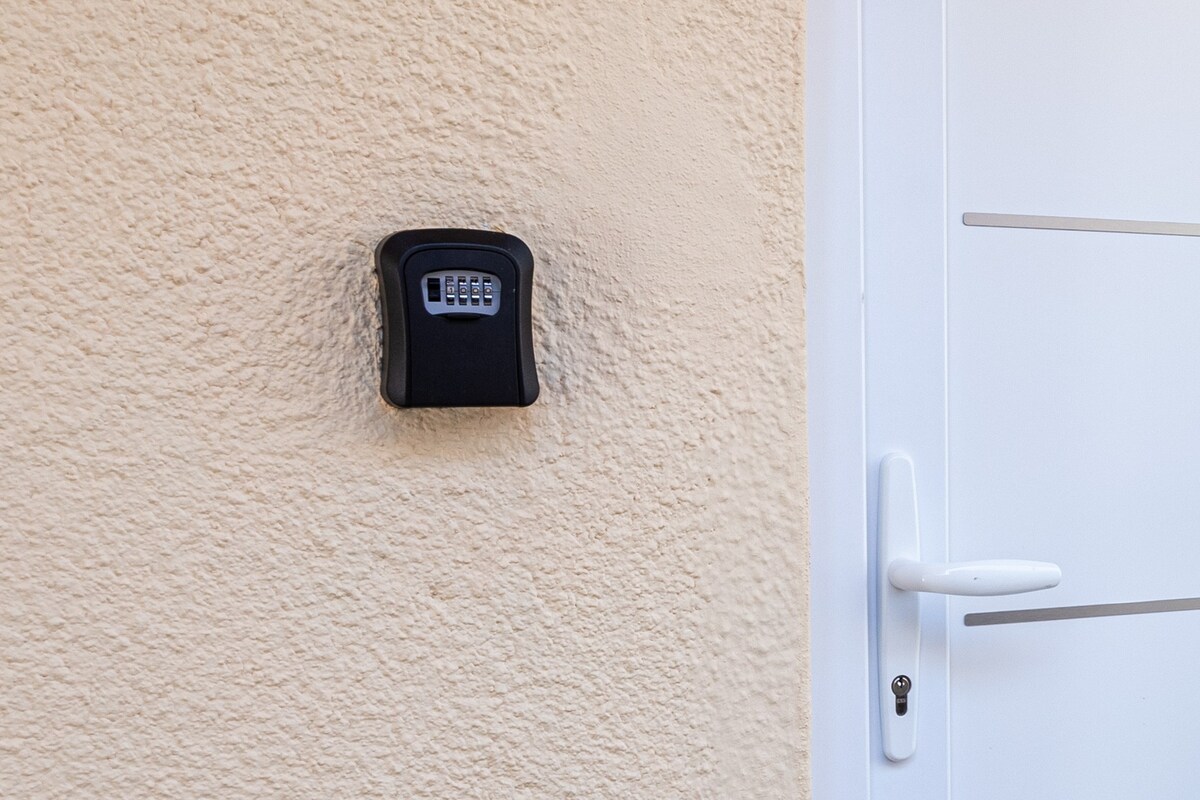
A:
841, 678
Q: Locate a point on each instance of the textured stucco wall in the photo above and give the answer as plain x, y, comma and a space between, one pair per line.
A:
230, 571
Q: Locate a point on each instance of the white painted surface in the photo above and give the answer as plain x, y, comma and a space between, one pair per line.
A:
1073, 394
842, 676
1081, 108
1065, 393
904, 226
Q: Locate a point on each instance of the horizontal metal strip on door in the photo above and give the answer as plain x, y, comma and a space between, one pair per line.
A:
1081, 612
1037, 222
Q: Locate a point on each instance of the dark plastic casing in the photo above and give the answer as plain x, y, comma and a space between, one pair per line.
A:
460, 357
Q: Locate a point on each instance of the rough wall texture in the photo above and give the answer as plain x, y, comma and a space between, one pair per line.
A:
230, 571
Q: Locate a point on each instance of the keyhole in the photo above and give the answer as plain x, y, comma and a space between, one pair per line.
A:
901, 686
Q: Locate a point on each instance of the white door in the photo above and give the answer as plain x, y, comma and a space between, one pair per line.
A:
1039, 368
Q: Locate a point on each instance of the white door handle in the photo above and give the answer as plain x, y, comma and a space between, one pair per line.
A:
978, 578
901, 574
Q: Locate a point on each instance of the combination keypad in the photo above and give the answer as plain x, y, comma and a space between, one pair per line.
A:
461, 292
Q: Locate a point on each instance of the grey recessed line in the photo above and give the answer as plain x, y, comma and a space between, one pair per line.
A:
977, 219
1081, 612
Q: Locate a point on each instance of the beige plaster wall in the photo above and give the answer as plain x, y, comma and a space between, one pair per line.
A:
230, 571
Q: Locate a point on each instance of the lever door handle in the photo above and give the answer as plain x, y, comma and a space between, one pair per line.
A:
977, 578
901, 575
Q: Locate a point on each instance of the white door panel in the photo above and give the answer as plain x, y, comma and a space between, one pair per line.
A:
1076, 709
1074, 406
1074, 433
1075, 107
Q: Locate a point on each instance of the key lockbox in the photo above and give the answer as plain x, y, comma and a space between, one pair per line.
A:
457, 329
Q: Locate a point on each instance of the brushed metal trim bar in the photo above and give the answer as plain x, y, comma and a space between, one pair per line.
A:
1081, 612
1034, 221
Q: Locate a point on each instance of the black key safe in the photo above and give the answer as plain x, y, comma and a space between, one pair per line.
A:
457, 328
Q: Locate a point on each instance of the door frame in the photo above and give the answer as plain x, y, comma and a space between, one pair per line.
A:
890, 59
840, 733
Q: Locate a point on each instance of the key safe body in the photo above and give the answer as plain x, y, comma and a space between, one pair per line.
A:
457, 326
